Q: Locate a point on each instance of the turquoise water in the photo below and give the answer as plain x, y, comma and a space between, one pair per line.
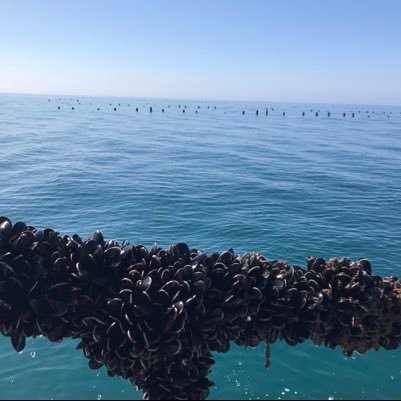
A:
287, 187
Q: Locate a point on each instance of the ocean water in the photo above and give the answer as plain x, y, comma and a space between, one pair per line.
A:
285, 186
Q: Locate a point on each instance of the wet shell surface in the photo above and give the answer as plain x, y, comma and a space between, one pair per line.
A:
154, 317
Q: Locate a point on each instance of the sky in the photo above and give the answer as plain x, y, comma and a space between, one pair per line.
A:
332, 51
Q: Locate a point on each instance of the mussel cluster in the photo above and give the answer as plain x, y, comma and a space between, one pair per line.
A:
155, 317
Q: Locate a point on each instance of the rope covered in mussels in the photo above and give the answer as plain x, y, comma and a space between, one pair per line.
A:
155, 316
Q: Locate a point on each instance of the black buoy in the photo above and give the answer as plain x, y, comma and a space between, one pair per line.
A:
303, 114
59, 107
344, 114
137, 109
197, 112
151, 109
115, 108
243, 112
183, 110
179, 106
267, 112
72, 108
328, 114
98, 109
162, 110
353, 115
317, 114
284, 113
257, 112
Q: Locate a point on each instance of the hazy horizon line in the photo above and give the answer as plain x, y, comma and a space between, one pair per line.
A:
197, 99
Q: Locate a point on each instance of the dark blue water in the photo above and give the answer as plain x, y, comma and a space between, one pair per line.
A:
286, 186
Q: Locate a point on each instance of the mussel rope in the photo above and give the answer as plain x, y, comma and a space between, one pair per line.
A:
155, 317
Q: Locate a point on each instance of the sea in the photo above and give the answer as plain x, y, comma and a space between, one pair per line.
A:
287, 183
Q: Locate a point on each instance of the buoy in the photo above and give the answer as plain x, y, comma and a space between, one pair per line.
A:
328, 114
243, 113
284, 114
137, 109
151, 110
257, 112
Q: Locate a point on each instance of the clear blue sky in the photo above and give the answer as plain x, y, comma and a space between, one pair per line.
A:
343, 51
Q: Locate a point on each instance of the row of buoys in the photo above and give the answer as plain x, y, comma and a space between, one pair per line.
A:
344, 115
215, 107
184, 108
